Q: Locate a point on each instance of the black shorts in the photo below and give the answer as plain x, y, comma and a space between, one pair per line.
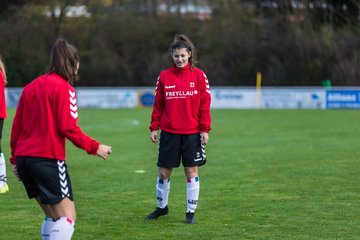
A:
1, 127
47, 178
184, 147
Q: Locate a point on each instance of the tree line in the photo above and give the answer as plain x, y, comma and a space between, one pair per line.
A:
125, 43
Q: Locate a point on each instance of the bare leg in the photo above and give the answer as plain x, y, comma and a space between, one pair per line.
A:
65, 208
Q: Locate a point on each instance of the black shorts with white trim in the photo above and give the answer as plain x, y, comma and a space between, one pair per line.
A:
177, 148
47, 178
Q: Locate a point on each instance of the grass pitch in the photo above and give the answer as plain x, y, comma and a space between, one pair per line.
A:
271, 174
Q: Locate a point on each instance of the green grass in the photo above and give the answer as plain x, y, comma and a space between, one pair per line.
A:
271, 174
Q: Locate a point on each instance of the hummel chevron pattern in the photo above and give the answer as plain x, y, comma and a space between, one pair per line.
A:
63, 181
207, 84
157, 83
73, 107
203, 151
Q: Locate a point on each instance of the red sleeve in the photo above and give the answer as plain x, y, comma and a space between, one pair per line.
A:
205, 117
68, 118
16, 129
158, 106
3, 113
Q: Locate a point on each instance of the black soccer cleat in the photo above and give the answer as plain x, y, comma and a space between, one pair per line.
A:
190, 218
157, 213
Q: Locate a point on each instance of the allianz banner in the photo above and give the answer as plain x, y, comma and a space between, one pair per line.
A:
340, 99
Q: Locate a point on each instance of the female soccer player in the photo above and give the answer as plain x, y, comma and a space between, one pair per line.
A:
182, 111
45, 117
3, 114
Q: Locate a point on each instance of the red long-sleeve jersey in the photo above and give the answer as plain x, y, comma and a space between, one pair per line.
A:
182, 101
3, 113
45, 117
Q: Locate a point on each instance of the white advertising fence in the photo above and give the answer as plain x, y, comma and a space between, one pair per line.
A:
222, 97
290, 98
106, 98
244, 98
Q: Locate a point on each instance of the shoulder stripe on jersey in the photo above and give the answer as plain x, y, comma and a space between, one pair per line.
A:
207, 84
73, 107
156, 87
72, 94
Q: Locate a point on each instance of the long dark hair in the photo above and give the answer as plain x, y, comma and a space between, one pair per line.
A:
182, 41
3, 70
64, 60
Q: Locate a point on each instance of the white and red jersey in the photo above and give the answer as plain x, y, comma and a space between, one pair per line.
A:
182, 101
3, 113
45, 117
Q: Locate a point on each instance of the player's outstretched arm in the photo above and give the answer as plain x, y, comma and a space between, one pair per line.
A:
104, 151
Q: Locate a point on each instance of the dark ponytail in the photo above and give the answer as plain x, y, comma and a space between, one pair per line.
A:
2, 69
64, 60
182, 41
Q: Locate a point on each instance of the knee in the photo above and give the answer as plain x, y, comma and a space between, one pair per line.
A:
164, 173
191, 172
163, 176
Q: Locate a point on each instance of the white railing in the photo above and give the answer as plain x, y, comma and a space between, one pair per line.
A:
222, 97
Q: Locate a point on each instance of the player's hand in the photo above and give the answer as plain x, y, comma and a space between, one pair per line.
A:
204, 138
104, 151
14, 170
154, 136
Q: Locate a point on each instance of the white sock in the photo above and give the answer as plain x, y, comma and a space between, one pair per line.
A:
63, 229
46, 227
2, 171
162, 192
192, 193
